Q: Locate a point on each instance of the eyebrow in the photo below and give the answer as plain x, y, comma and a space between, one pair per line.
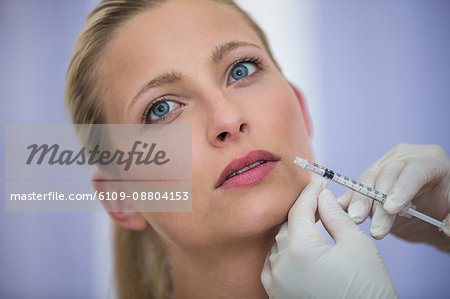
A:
222, 50
173, 77
160, 81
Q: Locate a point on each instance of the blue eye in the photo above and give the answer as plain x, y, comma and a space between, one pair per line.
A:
242, 70
159, 110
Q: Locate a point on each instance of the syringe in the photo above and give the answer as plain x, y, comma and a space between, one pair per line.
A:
361, 188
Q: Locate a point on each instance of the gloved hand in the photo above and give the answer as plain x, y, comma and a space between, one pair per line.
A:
302, 264
417, 173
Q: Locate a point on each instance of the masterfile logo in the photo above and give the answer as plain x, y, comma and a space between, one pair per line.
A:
51, 167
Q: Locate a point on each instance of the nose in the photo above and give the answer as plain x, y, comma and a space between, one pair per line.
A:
227, 123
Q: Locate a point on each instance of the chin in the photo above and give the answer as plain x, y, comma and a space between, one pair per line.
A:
261, 214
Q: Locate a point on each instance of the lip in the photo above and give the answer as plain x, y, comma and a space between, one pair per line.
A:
251, 176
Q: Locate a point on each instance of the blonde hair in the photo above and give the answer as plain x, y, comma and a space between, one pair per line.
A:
141, 265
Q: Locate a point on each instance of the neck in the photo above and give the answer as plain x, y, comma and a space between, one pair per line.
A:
221, 271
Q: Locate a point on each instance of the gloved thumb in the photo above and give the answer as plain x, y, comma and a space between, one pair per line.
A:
302, 227
305, 206
338, 224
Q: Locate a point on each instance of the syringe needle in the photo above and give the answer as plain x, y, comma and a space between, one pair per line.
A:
289, 156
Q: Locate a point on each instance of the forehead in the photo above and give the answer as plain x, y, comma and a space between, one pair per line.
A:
178, 27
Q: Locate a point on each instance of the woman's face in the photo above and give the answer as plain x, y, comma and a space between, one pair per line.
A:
211, 71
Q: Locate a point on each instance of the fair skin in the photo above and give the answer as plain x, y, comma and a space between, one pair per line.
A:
218, 250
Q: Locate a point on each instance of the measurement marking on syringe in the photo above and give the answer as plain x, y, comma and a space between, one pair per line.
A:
360, 188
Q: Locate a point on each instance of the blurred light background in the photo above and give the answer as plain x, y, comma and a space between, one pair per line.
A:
374, 74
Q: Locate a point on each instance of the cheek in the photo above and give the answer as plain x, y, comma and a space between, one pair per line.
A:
279, 115
189, 229
182, 229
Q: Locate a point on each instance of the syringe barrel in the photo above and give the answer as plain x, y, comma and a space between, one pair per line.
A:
313, 167
355, 186
360, 188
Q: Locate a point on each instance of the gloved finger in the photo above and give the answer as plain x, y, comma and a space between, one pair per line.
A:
344, 199
334, 219
360, 205
305, 206
388, 176
382, 222
413, 177
446, 228
281, 239
301, 219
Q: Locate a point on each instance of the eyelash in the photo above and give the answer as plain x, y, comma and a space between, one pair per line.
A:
148, 110
255, 60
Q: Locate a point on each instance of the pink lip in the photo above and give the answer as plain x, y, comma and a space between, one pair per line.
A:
248, 177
